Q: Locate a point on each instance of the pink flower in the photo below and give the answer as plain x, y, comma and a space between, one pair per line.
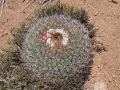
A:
44, 37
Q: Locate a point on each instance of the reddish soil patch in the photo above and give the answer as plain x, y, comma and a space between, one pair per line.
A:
106, 17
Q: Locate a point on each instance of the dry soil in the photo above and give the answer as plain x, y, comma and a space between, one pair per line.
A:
105, 14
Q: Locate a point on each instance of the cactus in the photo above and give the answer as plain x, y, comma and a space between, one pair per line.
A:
60, 66
54, 50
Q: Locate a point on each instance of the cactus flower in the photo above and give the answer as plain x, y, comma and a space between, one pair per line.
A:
44, 36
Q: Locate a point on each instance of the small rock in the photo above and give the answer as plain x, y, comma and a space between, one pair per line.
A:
6, 33
96, 13
2, 30
114, 76
113, 1
112, 64
23, 0
92, 75
98, 66
100, 86
110, 80
88, 87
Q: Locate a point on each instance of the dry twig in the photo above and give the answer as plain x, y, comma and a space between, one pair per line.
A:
3, 2
28, 2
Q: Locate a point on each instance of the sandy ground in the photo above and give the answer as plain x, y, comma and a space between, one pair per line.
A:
105, 74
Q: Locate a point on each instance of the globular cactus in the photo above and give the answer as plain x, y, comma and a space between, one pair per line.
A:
64, 57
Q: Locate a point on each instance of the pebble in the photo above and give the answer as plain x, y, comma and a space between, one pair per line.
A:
113, 1
92, 75
100, 86
2, 30
88, 87
98, 66
96, 13
6, 33
114, 76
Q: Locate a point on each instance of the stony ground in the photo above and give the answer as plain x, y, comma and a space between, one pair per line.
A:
105, 14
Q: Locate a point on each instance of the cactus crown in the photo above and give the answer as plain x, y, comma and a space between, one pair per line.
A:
57, 39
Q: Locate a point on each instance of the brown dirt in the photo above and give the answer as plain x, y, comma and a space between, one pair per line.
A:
106, 17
